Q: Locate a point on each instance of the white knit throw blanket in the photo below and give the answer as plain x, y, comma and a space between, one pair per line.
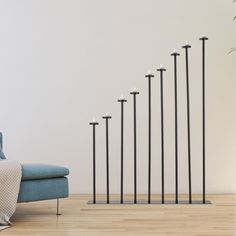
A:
10, 178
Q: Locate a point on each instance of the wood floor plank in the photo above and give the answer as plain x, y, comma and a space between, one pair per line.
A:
80, 218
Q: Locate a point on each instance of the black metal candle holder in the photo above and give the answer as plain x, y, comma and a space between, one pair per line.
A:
149, 76
203, 39
134, 94
94, 123
107, 117
186, 48
122, 101
175, 55
161, 70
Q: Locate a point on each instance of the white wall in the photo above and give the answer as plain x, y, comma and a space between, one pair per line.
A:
64, 62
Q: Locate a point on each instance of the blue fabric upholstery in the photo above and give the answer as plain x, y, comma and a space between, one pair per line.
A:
43, 189
1, 141
42, 171
2, 156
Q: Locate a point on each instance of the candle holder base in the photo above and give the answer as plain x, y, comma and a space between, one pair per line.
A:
145, 202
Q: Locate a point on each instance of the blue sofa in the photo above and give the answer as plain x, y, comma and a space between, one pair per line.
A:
41, 182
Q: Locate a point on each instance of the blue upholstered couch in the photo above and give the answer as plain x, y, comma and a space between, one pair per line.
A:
41, 182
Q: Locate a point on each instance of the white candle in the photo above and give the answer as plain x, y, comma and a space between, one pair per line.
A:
121, 97
174, 50
149, 72
186, 43
161, 66
134, 90
94, 120
107, 114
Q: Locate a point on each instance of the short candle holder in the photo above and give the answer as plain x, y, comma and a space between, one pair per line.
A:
94, 124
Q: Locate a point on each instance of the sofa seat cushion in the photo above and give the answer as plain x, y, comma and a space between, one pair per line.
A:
42, 171
43, 189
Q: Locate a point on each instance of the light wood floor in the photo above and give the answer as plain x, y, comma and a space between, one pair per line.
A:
81, 219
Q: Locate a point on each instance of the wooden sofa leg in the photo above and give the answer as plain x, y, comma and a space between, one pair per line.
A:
58, 207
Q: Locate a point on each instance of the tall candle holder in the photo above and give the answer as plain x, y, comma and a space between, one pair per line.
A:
149, 76
175, 55
203, 39
161, 70
122, 101
107, 118
135, 93
94, 124
186, 48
